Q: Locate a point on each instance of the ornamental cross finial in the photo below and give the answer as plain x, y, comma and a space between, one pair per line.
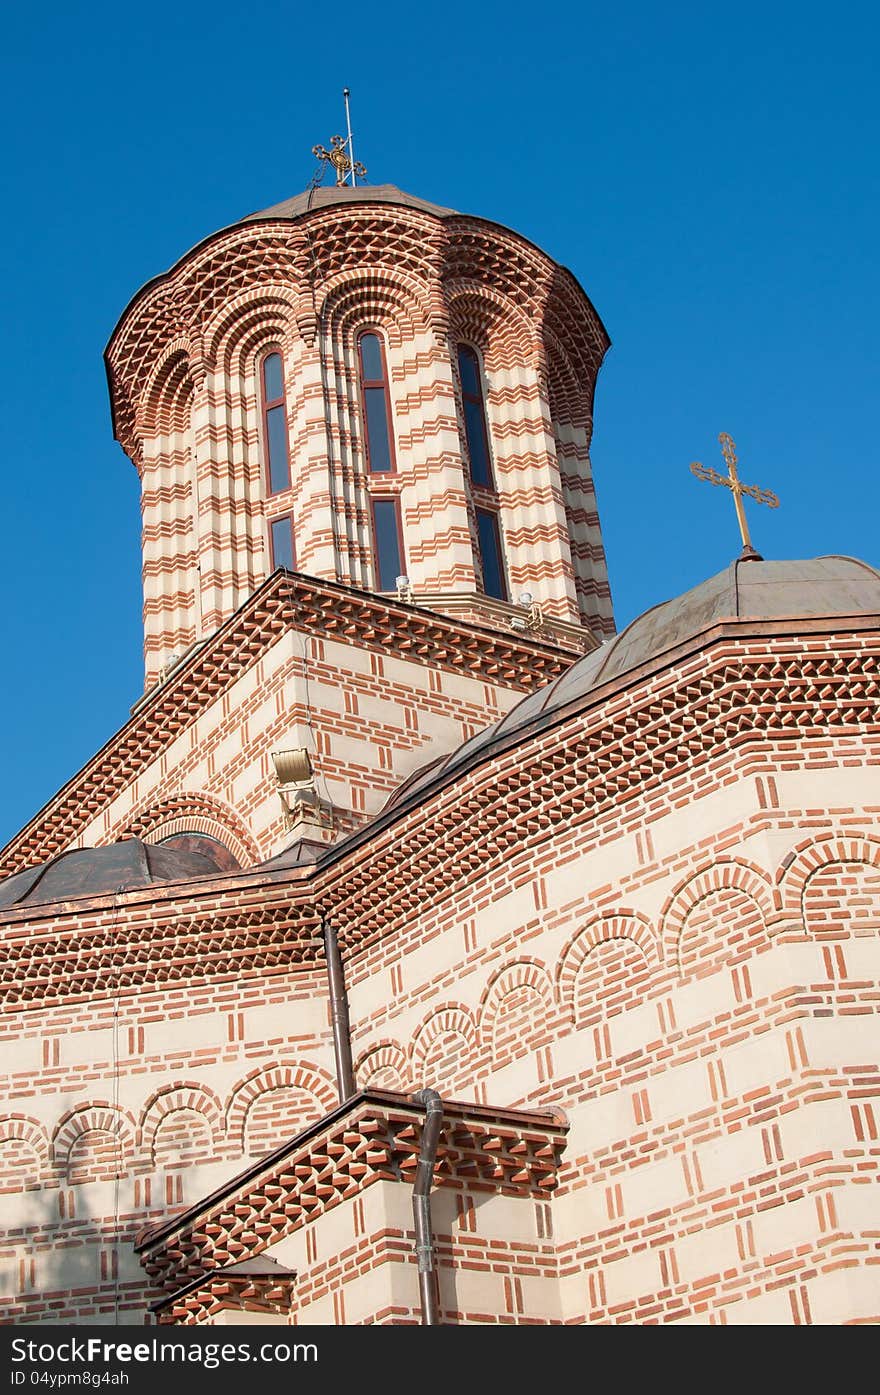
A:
738, 489
341, 153
337, 156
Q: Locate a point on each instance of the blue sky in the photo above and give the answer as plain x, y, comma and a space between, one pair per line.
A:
709, 174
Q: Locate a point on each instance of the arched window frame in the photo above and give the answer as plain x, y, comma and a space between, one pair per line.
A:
266, 405
477, 399
493, 515
383, 383
279, 522
484, 500
383, 486
385, 497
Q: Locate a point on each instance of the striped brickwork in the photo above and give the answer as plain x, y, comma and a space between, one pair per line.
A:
371, 688
183, 366
636, 949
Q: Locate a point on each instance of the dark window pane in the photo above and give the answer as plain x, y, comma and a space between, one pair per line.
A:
378, 445
273, 382
371, 358
387, 543
490, 551
282, 543
276, 434
476, 440
469, 369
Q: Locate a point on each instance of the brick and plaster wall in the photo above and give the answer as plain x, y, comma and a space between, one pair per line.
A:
356, 1266
334, 1208
372, 690
661, 916
691, 974
121, 1109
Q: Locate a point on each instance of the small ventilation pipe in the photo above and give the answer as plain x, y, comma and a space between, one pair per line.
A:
338, 1013
429, 1285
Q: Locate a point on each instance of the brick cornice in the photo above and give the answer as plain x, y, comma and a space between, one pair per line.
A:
201, 1301
621, 744
174, 307
156, 937
286, 602
596, 755
373, 1137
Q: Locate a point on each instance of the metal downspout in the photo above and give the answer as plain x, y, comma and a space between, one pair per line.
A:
338, 1014
429, 1287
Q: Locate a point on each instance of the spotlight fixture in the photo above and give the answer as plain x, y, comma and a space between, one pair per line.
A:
296, 780
534, 616
293, 767
404, 588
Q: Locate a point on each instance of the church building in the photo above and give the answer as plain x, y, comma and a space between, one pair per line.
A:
423, 950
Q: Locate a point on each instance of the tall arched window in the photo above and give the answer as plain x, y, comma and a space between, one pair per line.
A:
490, 559
475, 427
274, 409
491, 554
376, 400
388, 558
281, 545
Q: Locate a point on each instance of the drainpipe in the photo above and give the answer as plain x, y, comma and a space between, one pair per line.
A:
429, 1287
338, 1013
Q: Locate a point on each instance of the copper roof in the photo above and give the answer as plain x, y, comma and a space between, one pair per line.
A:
337, 195
746, 590
93, 871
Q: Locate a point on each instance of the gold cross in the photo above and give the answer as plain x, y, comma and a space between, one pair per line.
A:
338, 157
738, 489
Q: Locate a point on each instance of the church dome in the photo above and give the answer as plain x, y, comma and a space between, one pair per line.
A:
747, 590
103, 871
344, 194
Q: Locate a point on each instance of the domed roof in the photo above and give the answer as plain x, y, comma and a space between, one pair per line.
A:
344, 194
746, 590
102, 871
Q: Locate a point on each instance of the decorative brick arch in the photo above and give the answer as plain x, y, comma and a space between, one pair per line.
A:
275, 250
21, 1129
815, 853
627, 926
507, 992
191, 813
569, 398
486, 317
243, 348
164, 404
97, 1117
384, 1066
308, 1079
733, 876
359, 295
452, 1020
252, 319
185, 1095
